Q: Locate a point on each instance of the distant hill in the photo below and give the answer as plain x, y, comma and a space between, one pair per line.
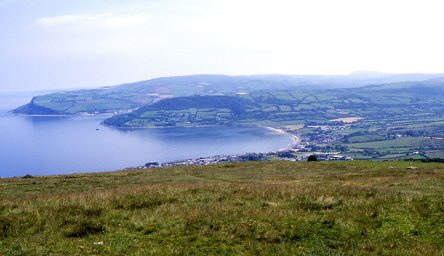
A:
283, 107
431, 88
184, 111
121, 98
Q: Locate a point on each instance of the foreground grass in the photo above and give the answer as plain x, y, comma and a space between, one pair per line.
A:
267, 208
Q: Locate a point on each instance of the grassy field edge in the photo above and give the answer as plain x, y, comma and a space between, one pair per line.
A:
323, 208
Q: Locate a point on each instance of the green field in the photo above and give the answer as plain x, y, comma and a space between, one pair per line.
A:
262, 208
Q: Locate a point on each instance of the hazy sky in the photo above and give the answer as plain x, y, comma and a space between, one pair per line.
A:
48, 44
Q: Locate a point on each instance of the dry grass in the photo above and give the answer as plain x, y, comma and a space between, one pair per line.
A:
281, 208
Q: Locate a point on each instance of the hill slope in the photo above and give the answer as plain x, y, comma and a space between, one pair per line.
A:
291, 106
278, 208
124, 97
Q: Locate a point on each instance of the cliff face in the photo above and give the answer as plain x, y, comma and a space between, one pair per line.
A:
34, 109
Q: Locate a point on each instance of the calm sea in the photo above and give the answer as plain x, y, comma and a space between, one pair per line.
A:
61, 145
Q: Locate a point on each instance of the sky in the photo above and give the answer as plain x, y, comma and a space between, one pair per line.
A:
61, 44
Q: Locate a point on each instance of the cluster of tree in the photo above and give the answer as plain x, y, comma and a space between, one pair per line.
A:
236, 104
427, 160
312, 158
252, 157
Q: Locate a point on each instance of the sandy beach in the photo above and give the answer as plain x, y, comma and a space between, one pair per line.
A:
296, 140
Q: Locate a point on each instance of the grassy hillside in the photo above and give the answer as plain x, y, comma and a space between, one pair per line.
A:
124, 97
268, 208
414, 101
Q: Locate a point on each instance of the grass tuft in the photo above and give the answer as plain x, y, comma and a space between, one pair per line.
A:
81, 227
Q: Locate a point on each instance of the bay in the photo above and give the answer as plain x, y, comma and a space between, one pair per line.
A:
62, 145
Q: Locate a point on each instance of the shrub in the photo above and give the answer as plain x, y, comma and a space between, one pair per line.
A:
312, 158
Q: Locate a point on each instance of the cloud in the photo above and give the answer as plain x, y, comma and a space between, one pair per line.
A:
92, 21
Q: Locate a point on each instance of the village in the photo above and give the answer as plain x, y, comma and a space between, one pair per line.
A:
300, 151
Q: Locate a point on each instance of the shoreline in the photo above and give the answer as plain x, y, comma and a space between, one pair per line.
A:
296, 139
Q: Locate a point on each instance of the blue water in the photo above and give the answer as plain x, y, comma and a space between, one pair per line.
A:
61, 145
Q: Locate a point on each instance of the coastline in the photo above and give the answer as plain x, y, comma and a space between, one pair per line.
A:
296, 139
